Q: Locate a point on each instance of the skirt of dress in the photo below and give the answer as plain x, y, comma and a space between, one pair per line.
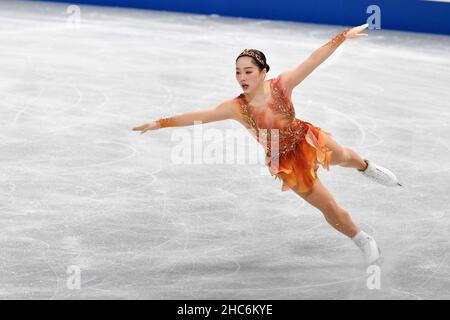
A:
298, 168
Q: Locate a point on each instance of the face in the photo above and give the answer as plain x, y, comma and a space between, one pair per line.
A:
248, 75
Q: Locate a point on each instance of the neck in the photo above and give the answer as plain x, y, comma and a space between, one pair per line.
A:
258, 94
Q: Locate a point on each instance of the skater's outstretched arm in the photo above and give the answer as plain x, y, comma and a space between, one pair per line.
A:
221, 112
294, 76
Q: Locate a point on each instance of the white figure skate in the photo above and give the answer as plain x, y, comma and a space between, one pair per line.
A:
380, 174
369, 248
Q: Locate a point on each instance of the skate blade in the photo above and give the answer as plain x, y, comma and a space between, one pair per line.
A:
379, 261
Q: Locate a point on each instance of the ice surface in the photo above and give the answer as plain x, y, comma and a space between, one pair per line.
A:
79, 188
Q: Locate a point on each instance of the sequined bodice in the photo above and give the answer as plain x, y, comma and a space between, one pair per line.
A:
274, 125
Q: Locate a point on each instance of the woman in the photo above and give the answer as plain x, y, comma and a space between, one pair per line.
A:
265, 108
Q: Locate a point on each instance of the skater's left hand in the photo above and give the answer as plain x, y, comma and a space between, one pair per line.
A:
355, 32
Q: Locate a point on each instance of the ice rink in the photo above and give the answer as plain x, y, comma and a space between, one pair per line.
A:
83, 197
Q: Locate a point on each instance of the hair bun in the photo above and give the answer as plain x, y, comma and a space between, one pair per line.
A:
267, 67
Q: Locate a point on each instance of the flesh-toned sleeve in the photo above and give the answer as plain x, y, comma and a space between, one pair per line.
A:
223, 111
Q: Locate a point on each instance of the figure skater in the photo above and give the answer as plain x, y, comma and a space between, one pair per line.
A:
265, 108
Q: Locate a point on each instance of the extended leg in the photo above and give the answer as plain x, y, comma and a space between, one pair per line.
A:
339, 219
344, 156
347, 157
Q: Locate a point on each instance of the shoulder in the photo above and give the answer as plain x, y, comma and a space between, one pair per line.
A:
232, 103
231, 106
281, 86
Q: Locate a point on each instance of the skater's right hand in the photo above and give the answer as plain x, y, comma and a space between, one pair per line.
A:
154, 125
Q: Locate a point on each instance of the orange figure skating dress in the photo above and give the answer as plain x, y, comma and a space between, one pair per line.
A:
293, 147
